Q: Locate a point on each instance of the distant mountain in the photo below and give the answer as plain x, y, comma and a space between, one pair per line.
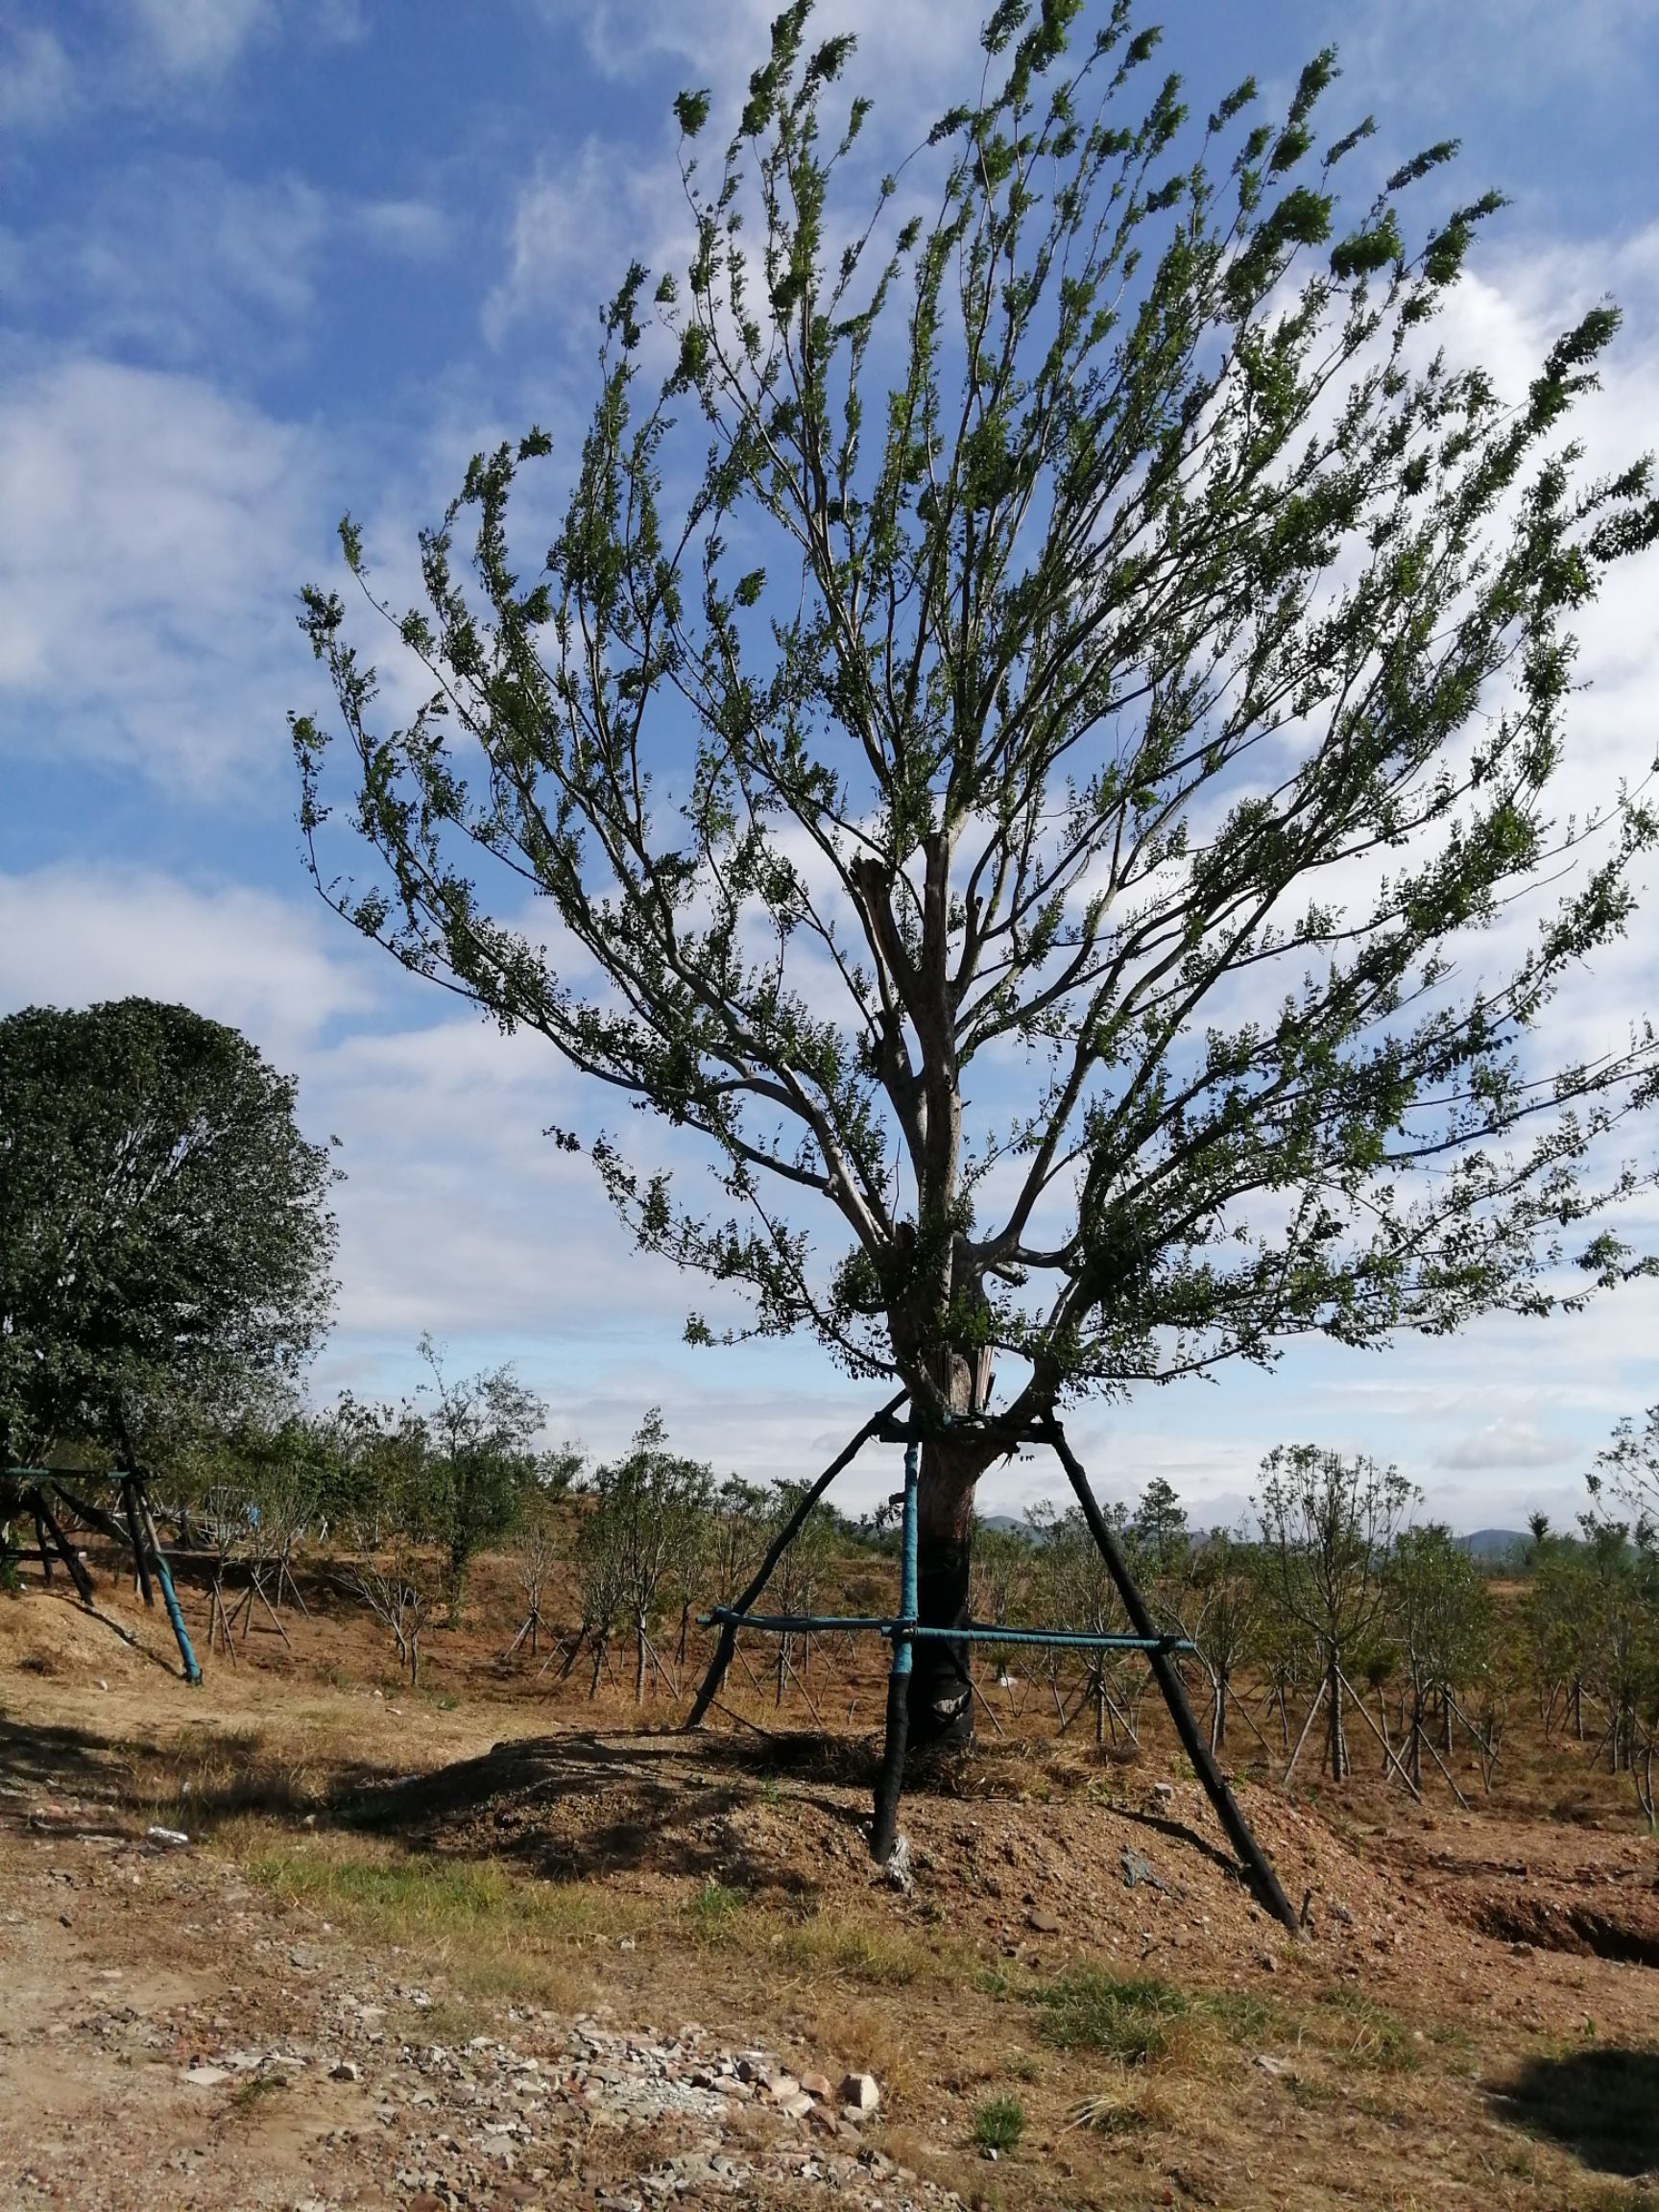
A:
1495, 1543
1492, 1546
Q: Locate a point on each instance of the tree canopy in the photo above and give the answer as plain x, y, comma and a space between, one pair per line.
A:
164, 1230
1035, 740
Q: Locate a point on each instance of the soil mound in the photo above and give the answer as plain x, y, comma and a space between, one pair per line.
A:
56, 1637
998, 1847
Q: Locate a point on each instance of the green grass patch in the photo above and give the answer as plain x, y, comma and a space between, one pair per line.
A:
412, 1896
1133, 2019
998, 2123
713, 1909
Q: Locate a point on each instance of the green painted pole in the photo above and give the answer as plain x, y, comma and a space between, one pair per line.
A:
890, 1782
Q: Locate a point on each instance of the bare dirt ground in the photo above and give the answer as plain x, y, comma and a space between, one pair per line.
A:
482, 1946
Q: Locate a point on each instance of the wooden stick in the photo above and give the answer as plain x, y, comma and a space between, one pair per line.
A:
1257, 1865
991, 1709
1318, 1700
1388, 1749
78, 1574
136, 1537
1444, 1768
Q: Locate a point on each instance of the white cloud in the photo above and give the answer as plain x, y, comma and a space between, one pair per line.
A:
202, 37
186, 263
575, 227
912, 56
456, 1213
152, 534
37, 80
411, 230
71, 935
1507, 1445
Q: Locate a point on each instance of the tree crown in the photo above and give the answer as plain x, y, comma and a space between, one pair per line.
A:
164, 1230
1034, 691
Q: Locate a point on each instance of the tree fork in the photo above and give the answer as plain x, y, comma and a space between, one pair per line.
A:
1263, 1879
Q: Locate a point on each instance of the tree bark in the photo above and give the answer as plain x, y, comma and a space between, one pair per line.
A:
941, 1705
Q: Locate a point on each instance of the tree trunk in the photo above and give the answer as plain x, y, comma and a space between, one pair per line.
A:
1220, 1709
1337, 1750
941, 1706
640, 1659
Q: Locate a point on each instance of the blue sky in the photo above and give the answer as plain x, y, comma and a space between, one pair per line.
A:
263, 260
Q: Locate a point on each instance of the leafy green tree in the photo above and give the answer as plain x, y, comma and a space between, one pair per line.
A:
481, 1431
1226, 1618
1439, 1611
1556, 1615
1627, 1472
1159, 1528
165, 1237
391, 1519
1328, 1525
1086, 631
645, 1507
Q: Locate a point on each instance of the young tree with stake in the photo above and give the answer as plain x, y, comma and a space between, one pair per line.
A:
1037, 694
1328, 1528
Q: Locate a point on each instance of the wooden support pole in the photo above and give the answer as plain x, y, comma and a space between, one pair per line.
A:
1318, 1700
781, 1543
1387, 1747
1257, 1864
136, 1537
71, 1558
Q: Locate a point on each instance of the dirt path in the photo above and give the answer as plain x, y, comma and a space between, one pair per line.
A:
252, 2068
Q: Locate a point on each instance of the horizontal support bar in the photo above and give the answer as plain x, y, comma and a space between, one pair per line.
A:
824, 1624
791, 1623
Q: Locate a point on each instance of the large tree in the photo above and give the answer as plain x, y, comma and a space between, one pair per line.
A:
164, 1230
1040, 689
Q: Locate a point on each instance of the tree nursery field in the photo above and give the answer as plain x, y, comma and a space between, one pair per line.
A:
304, 1936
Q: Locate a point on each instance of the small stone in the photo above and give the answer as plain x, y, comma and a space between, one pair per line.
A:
1165, 1792
781, 2087
1044, 1923
207, 2077
348, 2070
861, 2091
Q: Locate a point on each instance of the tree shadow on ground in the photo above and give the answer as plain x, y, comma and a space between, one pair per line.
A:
1601, 2105
573, 1806
56, 1761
